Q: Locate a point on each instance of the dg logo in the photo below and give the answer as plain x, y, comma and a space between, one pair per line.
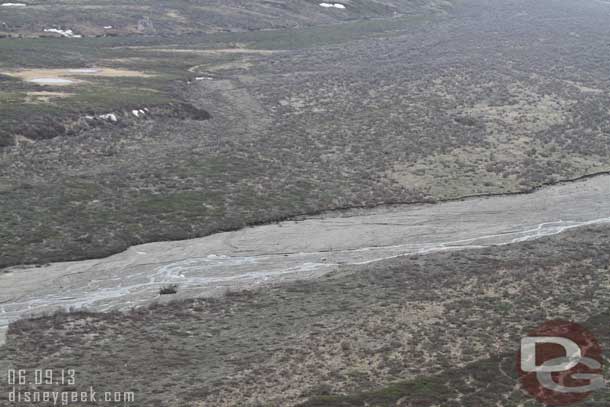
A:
560, 363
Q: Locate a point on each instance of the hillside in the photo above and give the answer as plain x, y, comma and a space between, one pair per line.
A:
158, 17
362, 113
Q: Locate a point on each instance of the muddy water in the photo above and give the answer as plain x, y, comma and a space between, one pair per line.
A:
303, 249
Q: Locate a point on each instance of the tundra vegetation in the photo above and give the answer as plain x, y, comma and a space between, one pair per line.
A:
358, 113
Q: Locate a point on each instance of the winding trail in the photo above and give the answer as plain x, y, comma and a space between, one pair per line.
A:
300, 249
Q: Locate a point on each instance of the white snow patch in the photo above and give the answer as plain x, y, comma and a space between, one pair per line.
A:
333, 5
13, 5
109, 116
108, 27
51, 81
63, 33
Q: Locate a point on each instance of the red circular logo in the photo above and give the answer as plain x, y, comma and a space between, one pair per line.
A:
560, 363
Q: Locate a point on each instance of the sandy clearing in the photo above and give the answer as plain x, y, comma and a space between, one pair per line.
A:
44, 97
59, 76
52, 81
84, 70
49, 94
